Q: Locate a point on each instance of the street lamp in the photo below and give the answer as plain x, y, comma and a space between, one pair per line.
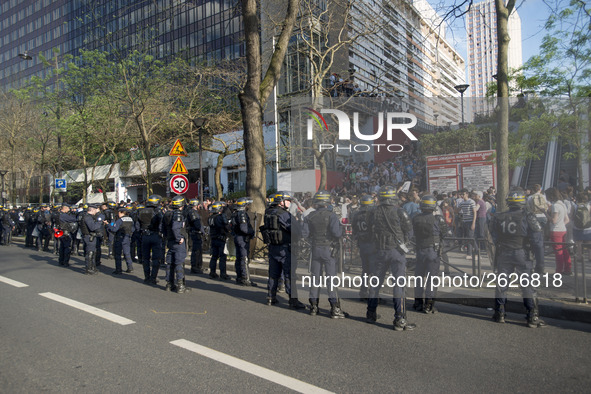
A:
462, 89
2, 173
199, 123
436, 124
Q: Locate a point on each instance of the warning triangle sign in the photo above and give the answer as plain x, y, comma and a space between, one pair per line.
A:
177, 149
178, 167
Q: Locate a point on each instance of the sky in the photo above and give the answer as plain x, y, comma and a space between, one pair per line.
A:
533, 15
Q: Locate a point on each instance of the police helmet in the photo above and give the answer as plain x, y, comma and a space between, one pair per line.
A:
177, 202
516, 198
322, 198
194, 202
154, 200
282, 196
216, 207
111, 204
243, 202
140, 206
428, 203
367, 200
387, 194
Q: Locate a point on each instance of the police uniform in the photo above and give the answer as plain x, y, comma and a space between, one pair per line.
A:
100, 236
323, 229
390, 226
121, 229
110, 217
510, 230
360, 227
29, 225
68, 225
150, 224
219, 228
429, 230
280, 229
196, 234
55, 214
7, 225
44, 228
90, 227
243, 233
176, 235
136, 237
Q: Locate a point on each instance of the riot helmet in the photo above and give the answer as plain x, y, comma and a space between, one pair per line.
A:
387, 195
367, 201
216, 207
516, 198
177, 202
153, 200
322, 198
428, 203
193, 202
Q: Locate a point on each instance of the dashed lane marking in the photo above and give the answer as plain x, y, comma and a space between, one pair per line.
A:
88, 308
12, 282
253, 369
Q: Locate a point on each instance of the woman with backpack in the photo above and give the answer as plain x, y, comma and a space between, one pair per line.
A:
558, 221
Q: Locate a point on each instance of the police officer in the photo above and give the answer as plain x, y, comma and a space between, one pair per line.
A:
390, 226
176, 235
510, 231
79, 236
361, 234
91, 224
280, 229
29, 226
55, 214
219, 228
35, 236
7, 225
68, 227
44, 228
324, 231
196, 233
150, 219
243, 233
136, 238
429, 229
122, 228
110, 213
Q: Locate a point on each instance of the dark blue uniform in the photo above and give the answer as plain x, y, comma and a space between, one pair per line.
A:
110, 217
175, 233
136, 239
324, 231
361, 233
196, 233
510, 231
150, 225
100, 237
7, 226
30, 225
68, 224
219, 228
429, 231
90, 227
243, 232
44, 228
121, 229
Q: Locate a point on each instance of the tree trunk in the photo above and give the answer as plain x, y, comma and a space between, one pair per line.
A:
218, 176
503, 39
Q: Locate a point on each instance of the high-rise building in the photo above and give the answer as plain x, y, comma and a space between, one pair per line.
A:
483, 50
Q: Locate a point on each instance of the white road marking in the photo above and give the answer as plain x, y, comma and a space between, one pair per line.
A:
87, 308
12, 282
253, 369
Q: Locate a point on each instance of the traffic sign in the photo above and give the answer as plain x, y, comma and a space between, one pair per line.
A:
60, 183
178, 167
179, 184
177, 149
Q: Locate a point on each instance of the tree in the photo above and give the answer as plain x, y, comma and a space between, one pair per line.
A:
257, 90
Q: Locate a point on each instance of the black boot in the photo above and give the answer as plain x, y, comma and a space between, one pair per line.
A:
400, 324
418, 305
533, 317
294, 303
499, 315
89, 263
336, 312
271, 301
371, 317
429, 306
313, 307
180, 286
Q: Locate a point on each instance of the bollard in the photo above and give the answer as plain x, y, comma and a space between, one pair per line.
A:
575, 259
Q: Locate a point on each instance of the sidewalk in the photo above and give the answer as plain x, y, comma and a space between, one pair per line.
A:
554, 302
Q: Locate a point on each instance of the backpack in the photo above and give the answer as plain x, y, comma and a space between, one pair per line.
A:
537, 204
582, 217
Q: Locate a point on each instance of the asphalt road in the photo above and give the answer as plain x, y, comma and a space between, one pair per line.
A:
50, 346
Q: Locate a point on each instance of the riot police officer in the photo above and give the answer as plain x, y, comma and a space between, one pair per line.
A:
280, 229
29, 225
243, 233
136, 237
195, 228
122, 228
150, 220
55, 214
176, 235
44, 228
390, 226
67, 227
510, 231
219, 228
110, 217
7, 225
90, 226
361, 234
429, 229
324, 231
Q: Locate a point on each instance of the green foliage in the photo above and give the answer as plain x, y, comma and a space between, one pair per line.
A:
467, 139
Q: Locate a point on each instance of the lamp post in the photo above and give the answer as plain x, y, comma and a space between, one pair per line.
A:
2, 173
199, 122
436, 124
462, 89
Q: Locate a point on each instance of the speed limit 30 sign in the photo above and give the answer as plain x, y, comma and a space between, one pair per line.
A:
179, 184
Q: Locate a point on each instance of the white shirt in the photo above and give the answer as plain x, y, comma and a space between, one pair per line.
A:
559, 208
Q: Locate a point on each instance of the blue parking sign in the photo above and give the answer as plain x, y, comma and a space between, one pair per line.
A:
60, 184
